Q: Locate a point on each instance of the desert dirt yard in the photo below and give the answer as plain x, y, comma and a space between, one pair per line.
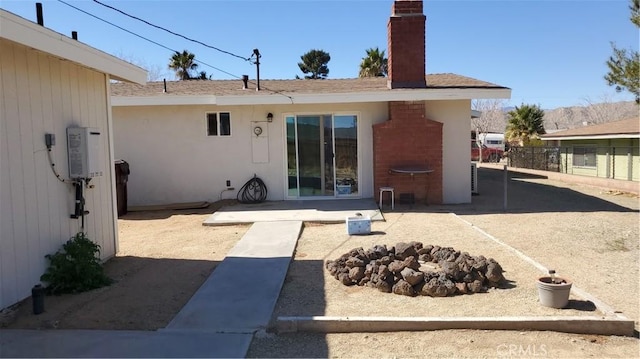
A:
590, 236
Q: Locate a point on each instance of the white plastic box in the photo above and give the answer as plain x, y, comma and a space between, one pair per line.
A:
358, 225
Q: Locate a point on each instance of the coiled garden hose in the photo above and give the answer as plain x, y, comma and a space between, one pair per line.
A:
254, 191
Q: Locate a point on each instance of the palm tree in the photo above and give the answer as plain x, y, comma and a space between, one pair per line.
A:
374, 64
315, 62
202, 75
524, 123
182, 63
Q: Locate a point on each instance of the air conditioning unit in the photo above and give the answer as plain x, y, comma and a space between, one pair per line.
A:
474, 178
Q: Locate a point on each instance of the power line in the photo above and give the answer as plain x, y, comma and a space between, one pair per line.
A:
168, 48
144, 38
171, 32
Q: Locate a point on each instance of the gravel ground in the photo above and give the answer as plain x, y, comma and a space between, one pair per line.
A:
588, 235
164, 257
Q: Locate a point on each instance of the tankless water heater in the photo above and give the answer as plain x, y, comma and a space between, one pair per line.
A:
83, 145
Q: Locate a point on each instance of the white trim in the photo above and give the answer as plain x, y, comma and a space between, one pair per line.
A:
114, 190
591, 137
164, 100
269, 98
27, 33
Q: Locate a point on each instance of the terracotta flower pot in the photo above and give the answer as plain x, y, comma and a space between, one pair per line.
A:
554, 295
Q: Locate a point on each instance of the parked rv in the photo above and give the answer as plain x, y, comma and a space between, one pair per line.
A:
492, 140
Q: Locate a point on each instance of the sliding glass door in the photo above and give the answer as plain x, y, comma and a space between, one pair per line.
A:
322, 155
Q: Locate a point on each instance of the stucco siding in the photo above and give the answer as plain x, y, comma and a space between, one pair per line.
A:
173, 160
42, 94
456, 176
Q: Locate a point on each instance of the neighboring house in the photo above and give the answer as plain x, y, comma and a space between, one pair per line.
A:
606, 150
50, 82
306, 139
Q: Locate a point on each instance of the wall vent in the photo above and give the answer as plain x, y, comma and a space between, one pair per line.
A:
474, 178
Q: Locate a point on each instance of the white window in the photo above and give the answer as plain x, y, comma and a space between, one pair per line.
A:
218, 124
584, 156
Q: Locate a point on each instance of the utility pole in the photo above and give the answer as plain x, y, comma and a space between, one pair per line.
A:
257, 55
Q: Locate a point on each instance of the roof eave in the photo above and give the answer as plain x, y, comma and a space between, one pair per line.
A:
592, 137
270, 98
27, 33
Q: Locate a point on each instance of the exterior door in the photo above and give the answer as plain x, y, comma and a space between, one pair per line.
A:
322, 156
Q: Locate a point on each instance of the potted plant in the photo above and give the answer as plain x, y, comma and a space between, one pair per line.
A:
554, 291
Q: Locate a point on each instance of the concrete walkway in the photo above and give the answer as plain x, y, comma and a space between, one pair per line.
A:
242, 291
218, 321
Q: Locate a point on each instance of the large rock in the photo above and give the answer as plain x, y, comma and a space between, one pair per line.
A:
411, 262
438, 287
494, 273
344, 279
404, 250
403, 288
381, 251
386, 259
384, 286
475, 286
383, 271
355, 262
396, 266
356, 273
411, 276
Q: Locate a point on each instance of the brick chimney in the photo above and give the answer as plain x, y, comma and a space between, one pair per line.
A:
406, 45
408, 138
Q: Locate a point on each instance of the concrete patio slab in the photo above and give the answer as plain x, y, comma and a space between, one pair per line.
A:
319, 211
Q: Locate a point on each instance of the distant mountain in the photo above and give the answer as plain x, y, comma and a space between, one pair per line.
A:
565, 118
572, 117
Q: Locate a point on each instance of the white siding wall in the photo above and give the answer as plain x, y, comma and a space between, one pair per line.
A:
173, 160
456, 176
42, 94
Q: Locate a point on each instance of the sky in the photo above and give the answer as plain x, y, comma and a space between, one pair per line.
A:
550, 53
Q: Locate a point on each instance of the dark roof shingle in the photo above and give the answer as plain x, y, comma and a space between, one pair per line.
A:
327, 86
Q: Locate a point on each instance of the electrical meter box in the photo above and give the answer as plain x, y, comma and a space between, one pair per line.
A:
83, 146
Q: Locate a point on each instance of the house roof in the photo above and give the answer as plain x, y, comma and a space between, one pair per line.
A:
22, 31
230, 92
629, 128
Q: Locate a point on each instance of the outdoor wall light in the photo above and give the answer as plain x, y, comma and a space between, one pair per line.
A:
269, 117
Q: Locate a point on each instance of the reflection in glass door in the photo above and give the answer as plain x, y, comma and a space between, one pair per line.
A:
322, 156
346, 154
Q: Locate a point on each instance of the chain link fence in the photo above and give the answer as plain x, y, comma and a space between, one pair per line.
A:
618, 162
536, 158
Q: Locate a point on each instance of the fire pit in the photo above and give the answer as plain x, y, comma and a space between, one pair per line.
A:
415, 269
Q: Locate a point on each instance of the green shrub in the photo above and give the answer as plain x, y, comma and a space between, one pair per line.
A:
75, 268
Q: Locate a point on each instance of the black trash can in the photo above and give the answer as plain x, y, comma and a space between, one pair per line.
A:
122, 176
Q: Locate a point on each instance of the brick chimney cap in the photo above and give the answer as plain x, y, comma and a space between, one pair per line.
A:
406, 7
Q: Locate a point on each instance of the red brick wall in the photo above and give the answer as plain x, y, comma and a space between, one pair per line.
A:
406, 45
408, 139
